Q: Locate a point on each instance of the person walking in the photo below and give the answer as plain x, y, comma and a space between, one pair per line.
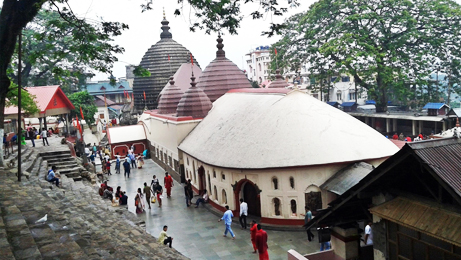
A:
368, 240
186, 194
133, 160
159, 191
154, 183
227, 217
140, 161
168, 183
253, 231
44, 136
307, 218
139, 202
126, 167
95, 148
190, 192
117, 164
31, 133
163, 238
243, 214
147, 192
261, 243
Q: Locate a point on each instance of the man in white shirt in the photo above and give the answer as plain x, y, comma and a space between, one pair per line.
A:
368, 234
203, 200
87, 151
243, 214
44, 136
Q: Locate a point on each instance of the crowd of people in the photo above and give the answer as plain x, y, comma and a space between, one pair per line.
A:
410, 138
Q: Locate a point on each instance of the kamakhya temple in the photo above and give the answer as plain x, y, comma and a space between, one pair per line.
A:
278, 149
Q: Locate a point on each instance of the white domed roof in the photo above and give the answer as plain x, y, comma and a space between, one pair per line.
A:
272, 130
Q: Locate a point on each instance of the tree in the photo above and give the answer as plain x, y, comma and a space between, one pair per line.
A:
386, 45
84, 100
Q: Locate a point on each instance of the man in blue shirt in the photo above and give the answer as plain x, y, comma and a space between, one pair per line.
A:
126, 167
227, 217
307, 218
52, 176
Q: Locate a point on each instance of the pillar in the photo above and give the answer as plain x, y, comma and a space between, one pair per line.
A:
366, 120
345, 242
44, 120
373, 120
444, 125
67, 123
435, 128
394, 125
40, 124
413, 127
421, 127
388, 125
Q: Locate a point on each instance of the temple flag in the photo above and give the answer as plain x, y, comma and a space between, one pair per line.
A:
144, 95
81, 113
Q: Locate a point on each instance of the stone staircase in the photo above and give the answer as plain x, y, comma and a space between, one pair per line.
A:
80, 224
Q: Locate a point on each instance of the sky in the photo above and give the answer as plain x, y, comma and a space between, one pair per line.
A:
145, 30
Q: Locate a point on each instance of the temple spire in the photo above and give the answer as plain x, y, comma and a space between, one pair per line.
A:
220, 53
166, 29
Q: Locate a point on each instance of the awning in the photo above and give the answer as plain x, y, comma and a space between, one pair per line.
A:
347, 177
348, 104
434, 106
426, 218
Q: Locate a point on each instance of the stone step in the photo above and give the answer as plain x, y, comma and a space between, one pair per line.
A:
55, 153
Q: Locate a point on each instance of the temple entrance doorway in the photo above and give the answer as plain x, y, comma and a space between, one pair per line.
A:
251, 197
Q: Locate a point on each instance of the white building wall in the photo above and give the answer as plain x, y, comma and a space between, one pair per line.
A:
256, 59
306, 179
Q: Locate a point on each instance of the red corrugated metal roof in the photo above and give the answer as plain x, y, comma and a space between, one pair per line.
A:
43, 96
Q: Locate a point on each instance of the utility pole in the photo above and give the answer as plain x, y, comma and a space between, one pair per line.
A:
19, 105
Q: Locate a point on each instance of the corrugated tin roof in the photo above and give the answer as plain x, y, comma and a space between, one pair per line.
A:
348, 104
430, 219
455, 112
124, 134
44, 94
119, 87
347, 177
434, 105
444, 158
332, 103
108, 101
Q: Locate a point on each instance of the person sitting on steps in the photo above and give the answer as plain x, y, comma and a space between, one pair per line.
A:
51, 177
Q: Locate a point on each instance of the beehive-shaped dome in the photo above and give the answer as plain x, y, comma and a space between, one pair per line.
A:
194, 102
278, 82
221, 75
162, 60
170, 98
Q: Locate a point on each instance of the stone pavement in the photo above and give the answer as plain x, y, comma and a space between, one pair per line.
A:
80, 224
196, 232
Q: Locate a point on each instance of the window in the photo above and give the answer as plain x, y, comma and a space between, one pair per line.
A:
161, 156
224, 197
215, 192
209, 184
170, 161
345, 79
223, 176
293, 207
275, 183
187, 160
214, 174
338, 95
166, 158
176, 165
194, 175
259, 66
292, 182
158, 153
276, 202
352, 96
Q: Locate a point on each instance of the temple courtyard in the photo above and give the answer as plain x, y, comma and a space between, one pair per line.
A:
196, 232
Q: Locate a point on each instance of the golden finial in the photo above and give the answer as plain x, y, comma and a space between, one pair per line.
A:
164, 17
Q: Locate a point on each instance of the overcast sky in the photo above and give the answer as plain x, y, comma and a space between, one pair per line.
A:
145, 30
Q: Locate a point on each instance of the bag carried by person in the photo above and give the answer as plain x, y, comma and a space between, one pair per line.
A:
153, 200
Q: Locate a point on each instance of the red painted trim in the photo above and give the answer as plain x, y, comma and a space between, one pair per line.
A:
170, 117
217, 206
237, 193
282, 221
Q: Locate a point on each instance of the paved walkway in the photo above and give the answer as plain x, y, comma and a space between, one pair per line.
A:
196, 231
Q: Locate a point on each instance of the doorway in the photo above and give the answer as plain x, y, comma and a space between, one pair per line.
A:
251, 197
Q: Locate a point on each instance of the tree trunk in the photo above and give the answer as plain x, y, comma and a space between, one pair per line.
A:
381, 101
14, 16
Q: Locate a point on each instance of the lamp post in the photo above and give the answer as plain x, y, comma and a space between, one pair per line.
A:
19, 104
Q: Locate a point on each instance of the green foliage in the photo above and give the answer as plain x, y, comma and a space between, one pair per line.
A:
141, 72
28, 104
254, 84
387, 46
84, 100
59, 50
